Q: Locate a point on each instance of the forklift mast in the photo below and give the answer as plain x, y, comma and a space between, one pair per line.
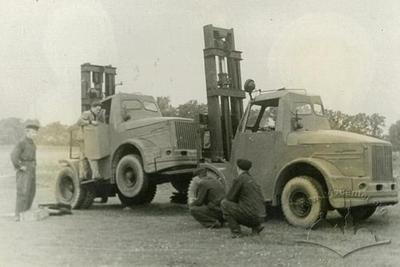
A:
92, 78
224, 89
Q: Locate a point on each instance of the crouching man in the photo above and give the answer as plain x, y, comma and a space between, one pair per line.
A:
244, 203
205, 207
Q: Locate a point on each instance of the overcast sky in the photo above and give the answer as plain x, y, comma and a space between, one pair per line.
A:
346, 51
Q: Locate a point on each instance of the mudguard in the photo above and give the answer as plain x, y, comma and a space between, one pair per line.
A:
148, 151
326, 168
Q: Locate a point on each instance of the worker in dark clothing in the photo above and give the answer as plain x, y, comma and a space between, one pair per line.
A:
23, 157
244, 203
205, 207
91, 117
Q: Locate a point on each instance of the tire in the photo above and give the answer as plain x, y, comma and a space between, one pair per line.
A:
149, 195
303, 201
359, 213
89, 198
192, 191
144, 198
68, 189
135, 189
181, 184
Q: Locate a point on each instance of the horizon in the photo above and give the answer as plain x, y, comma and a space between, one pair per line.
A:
345, 52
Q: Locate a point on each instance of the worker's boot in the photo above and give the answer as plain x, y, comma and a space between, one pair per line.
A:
257, 230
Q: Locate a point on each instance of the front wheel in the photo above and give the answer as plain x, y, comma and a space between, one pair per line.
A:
133, 183
359, 213
303, 201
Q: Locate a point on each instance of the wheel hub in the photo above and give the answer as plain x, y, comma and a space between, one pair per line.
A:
300, 204
129, 177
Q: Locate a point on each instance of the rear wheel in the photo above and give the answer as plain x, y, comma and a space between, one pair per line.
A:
359, 213
132, 182
89, 198
303, 201
181, 184
68, 189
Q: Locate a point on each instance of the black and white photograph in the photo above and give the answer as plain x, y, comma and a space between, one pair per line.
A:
199, 133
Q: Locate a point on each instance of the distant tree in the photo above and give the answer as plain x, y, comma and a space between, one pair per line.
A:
53, 134
394, 135
376, 123
167, 110
11, 131
191, 109
360, 123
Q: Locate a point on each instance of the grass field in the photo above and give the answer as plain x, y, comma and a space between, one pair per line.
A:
164, 234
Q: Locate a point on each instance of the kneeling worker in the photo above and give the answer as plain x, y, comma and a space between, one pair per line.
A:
205, 208
244, 203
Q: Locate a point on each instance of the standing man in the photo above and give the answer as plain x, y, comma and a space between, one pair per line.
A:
23, 157
91, 117
205, 207
244, 203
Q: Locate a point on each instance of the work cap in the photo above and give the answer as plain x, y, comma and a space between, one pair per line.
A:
244, 164
32, 124
95, 103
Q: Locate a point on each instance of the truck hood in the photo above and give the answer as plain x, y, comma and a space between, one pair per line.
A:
331, 137
152, 120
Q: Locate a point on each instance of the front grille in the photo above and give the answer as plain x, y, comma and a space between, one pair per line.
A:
382, 163
185, 134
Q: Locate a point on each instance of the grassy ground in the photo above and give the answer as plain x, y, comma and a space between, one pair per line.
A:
163, 234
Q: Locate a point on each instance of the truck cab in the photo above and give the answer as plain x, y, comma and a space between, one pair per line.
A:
136, 148
307, 168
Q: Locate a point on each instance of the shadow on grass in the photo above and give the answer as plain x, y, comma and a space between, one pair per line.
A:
153, 209
334, 220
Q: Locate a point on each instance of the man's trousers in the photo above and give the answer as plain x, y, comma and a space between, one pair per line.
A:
26, 189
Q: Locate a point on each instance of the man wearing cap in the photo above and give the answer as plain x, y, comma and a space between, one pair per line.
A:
23, 157
91, 117
205, 207
244, 203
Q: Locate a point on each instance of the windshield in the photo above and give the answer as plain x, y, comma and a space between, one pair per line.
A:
134, 109
262, 116
150, 106
319, 110
303, 109
310, 116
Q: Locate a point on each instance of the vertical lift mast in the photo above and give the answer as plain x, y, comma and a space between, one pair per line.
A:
224, 93
92, 77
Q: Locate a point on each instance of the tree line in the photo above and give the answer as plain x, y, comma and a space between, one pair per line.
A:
56, 133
